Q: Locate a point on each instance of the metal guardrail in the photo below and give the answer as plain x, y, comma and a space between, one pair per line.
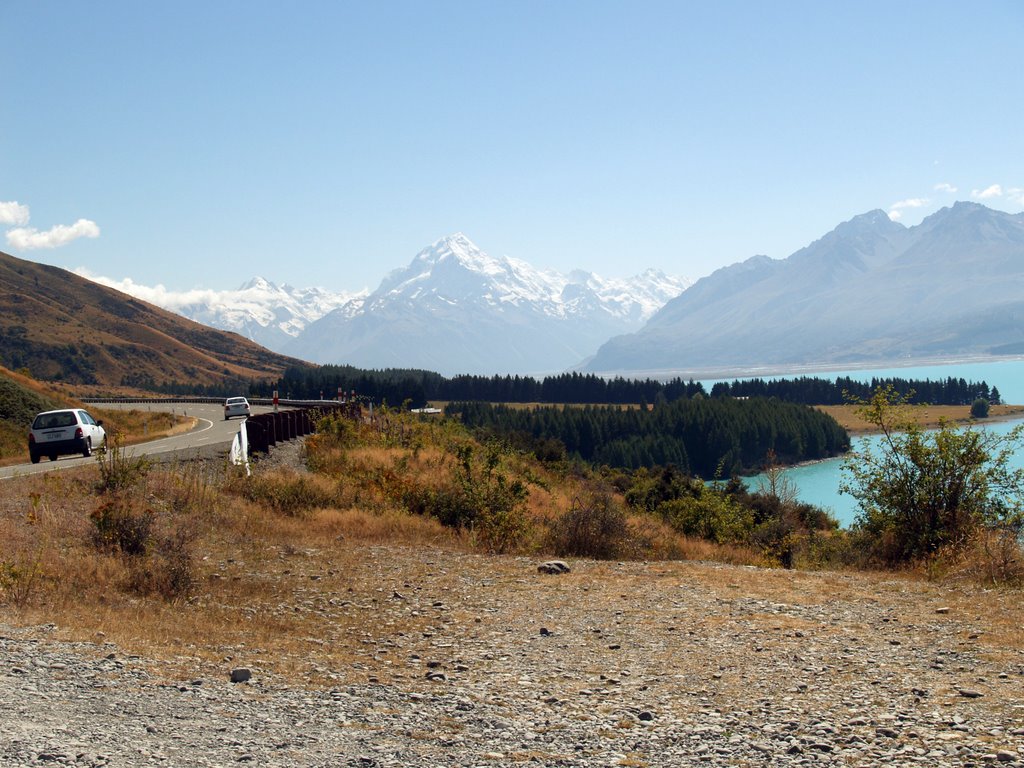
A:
265, 430
220, 401
296, 418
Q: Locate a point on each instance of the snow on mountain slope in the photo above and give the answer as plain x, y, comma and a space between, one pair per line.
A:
268, 314
456, 309
455, 269
453, 309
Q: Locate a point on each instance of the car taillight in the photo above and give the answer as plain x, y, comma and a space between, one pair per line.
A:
79, 434
31, 438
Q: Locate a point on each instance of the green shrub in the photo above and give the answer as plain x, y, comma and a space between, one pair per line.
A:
923, 493
503, 529
338, 430
478, 497
710, 515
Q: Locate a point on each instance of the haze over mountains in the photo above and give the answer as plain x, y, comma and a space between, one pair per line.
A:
271, 315
453, 309
872, 290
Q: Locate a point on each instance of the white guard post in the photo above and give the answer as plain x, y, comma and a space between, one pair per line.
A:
239, 454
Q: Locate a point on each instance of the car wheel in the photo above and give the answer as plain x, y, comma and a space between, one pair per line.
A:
53, 457
87, 448
34, 456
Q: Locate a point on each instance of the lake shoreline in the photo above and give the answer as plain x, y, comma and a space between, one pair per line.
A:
783, 370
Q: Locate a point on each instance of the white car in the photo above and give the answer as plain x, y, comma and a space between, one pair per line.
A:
59, 433
236, 406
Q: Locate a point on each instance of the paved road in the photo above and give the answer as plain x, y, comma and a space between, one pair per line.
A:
210, 433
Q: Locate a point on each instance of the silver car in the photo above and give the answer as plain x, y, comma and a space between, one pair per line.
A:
59, 433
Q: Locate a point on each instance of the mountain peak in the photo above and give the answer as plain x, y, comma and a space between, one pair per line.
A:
456, 248
258, 283
456, 309
872, 221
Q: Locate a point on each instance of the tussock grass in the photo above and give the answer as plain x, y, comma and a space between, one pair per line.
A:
306, 574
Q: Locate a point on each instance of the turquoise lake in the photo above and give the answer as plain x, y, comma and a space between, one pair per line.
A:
818, 483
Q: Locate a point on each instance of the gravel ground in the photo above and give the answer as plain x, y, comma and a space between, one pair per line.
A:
463, 660
421, 657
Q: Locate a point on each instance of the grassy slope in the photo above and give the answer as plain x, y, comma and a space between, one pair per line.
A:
21, 399
64, 327
928, 416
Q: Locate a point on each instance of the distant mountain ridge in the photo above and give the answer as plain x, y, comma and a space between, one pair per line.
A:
871, 290
455, 309
269, 314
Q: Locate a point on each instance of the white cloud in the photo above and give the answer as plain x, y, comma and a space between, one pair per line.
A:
1016, 195
14, 213
159, 294
896, 209
910, 202
988, 193
944, 187
29, 238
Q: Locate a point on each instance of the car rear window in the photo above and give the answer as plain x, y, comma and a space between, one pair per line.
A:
54, 420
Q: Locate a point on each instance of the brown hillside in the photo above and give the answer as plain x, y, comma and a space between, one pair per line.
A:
63, 327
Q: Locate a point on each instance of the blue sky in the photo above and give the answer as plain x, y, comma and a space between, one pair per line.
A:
325, 143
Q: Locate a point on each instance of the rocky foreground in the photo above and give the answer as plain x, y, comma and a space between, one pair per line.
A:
460, 660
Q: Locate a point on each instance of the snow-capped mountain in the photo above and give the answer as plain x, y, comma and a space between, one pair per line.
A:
455, 309
269, 314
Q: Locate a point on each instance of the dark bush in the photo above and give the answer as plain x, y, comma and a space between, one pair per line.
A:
595, 528
167, 570
122, 527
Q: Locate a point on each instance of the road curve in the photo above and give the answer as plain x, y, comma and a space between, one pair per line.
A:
211, 433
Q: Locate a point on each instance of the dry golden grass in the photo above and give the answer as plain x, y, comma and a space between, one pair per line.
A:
136, 426
133, 426
927, 416
322, 598
320, 577
60, 317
